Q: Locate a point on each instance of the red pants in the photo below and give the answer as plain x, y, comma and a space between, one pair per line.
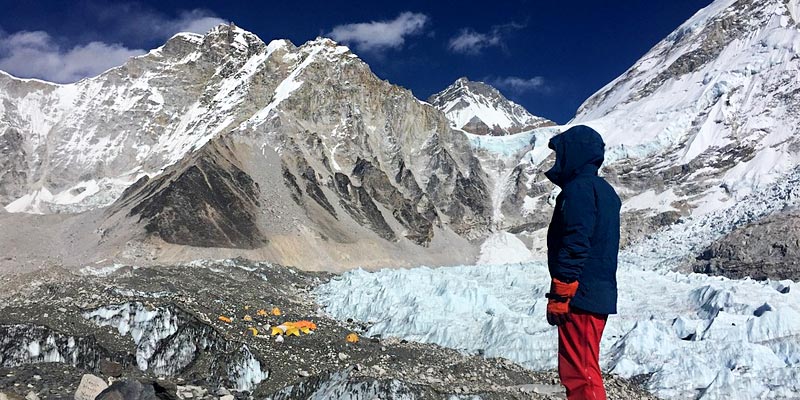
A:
579, 355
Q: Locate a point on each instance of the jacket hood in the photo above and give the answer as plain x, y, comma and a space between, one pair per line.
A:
579, 150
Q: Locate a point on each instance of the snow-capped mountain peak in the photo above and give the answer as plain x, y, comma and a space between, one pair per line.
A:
105, 132
479, 108
718, 97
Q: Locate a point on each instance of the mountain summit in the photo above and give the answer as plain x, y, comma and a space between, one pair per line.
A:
479, 108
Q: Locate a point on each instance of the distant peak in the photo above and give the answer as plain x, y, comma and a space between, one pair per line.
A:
480, 108
187, 35
482, 87
328, 48
230, 31
279, 43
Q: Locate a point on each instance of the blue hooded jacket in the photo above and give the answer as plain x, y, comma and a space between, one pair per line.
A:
583, 237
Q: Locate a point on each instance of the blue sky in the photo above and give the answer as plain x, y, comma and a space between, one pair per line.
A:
548, 56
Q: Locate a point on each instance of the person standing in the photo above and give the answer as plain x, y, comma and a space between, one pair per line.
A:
582, 250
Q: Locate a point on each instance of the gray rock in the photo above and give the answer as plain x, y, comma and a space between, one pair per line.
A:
111, 368
128, 389
90, 387
765, 249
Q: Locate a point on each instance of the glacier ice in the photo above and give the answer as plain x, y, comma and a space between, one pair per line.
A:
499, 311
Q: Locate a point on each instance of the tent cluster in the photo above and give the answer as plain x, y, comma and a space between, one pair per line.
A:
294, 328
287, 328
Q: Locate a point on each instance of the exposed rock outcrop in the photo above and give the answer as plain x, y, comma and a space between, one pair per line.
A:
766, 249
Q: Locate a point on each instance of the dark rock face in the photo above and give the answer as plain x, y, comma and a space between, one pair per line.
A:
128, 389
291, 182
111, 368
478, 127
209, 202
414, 212
360, 206
13, 165
314, 190
765, 249
471, 194
636, 224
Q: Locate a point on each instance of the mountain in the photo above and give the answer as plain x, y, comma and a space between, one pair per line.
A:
706, 117
480, 109
221, 145
224, 145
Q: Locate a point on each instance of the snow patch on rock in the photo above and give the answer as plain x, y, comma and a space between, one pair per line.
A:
503, 248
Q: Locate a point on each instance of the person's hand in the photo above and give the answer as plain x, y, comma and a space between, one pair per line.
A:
558, 304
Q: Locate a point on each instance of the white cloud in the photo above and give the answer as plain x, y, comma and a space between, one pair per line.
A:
516, 84
199, 25
148, 24
380, 35
469, 41
36, 54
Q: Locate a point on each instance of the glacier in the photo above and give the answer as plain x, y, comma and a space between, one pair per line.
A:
690, 335
688, 332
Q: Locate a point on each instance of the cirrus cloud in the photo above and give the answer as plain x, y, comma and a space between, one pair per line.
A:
377, 36
519, 85
471, 42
